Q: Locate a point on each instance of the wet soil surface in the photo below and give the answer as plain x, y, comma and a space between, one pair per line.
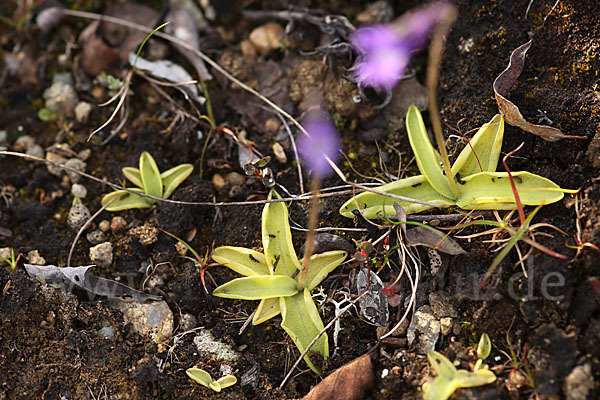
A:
72, 345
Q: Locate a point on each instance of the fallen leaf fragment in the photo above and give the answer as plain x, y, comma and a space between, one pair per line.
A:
349, 382
170, 71
421, 236
183, 27
69, 277
512, 114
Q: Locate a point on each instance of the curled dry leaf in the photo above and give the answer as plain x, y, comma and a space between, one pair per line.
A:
349, 382
511, 112
68, 277
431, 237
184, 27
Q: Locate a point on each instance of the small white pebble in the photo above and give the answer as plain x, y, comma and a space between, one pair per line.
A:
385, 373
82, 111
78, 190
279, 153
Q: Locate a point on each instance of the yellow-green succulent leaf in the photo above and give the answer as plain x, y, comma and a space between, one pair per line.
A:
199, 375
321, 265
244, 261
449, 378
150, 175
267, 309
425, 154
298, 313
442, 366
415, 187
439, 389
482, 152
226, 381
314, 315
123, 200
484, 347
277, 238
215, 386
480, 377
173, 178
133, 174
492, 190
257, 287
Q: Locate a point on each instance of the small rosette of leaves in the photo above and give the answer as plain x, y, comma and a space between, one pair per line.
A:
449, 379
474, 171
272, 278
204, 378
149, 180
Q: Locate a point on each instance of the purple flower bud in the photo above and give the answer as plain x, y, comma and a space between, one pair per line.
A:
384, 51
323, 142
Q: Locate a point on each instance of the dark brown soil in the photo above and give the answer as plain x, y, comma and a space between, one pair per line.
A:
50, 347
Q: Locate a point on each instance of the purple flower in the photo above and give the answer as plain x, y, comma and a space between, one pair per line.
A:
384, 51
323, 142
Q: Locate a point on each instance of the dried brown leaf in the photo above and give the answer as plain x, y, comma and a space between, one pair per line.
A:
421, 236
511, 112
349, 382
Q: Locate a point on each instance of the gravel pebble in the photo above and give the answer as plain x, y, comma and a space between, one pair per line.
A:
36, 150
82, 111
206, 343
118, 224
102, 254
153, 319
78, 190
188, 321
60, 97
76, 164
218, 182
34, 258
96, 237
235, 178
84, 154
78, 216
23, 143
108, 332
426, 328
579, 382
446, 325
55, 158
267, 37
5, 252
104, 225
279, 153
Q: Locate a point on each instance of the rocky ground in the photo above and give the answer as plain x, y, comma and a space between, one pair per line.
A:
545, 329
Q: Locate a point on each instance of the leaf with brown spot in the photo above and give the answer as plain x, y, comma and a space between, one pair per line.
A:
511, 112
349, 382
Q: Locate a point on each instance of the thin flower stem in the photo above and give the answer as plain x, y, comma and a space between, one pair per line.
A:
435, 56
313, 218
